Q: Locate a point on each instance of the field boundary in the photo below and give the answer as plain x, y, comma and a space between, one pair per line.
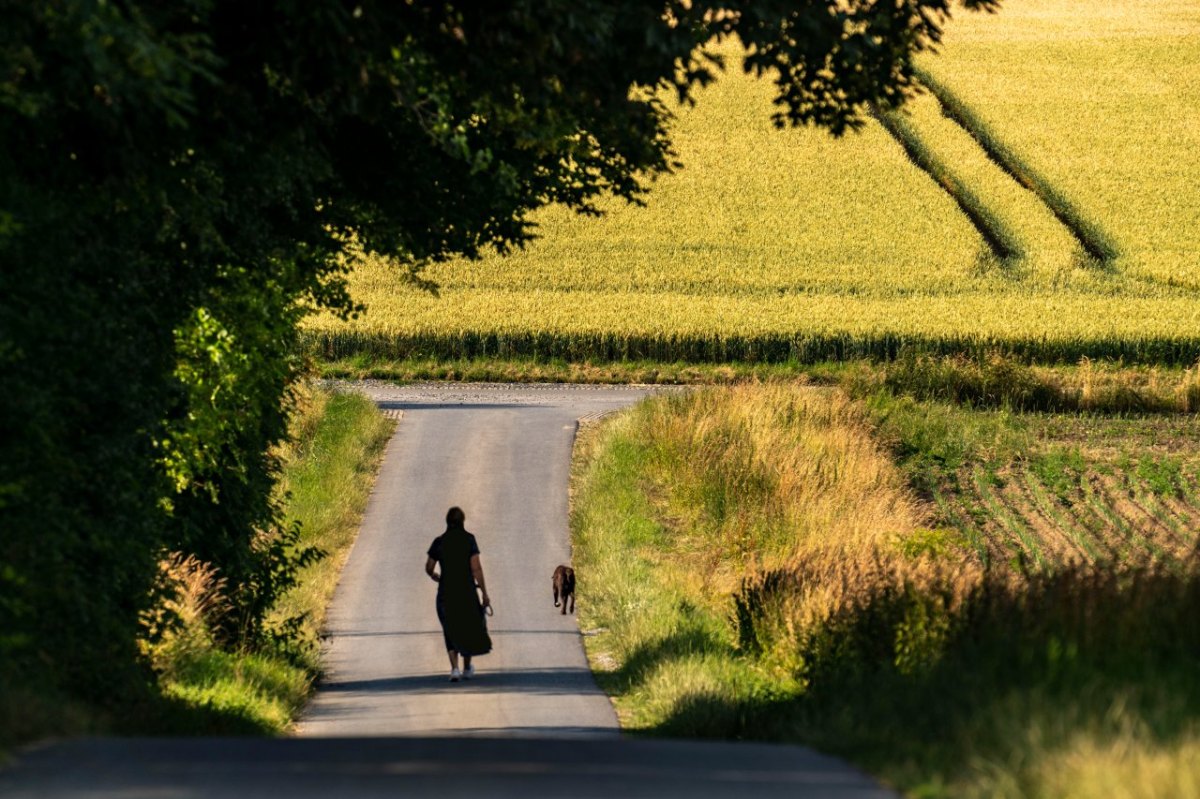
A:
761, 349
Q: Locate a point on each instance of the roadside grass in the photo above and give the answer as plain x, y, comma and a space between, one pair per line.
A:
199, 688
328, 472
330, 469
905, 645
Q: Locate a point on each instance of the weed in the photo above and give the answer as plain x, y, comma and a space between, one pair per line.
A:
1163, 475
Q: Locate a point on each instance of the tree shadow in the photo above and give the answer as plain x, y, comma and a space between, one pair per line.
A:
647, 657
1019, 670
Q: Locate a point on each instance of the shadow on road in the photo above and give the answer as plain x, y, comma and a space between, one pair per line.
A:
511, 766
530, 681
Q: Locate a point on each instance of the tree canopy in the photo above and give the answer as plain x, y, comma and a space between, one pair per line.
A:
178, 181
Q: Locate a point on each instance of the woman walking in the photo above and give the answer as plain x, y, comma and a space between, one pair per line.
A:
459, 607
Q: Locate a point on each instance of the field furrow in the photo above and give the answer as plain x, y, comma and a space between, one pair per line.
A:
1056, 517
1154, 535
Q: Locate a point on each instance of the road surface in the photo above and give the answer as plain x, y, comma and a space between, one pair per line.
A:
386, 722
502, 453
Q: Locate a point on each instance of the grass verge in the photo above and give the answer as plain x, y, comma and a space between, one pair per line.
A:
200, 688
760, 568
329, 469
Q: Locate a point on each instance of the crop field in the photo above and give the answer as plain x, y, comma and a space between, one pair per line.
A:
1101, 100
1039, 491
1039, 200
1073, 503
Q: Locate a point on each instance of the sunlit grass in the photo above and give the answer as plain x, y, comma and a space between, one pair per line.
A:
753, 566
328, 474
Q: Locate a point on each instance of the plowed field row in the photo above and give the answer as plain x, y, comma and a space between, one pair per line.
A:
1100, 512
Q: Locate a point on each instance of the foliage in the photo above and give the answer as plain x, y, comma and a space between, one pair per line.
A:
202, 687
178, 182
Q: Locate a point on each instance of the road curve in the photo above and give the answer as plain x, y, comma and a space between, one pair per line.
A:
386, 722
502, 453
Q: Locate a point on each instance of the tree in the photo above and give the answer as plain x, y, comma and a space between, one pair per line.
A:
178, 180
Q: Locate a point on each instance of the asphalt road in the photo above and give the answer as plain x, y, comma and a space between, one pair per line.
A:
386, 722
502, 454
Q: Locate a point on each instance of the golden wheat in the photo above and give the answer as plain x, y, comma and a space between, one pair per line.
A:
776, 245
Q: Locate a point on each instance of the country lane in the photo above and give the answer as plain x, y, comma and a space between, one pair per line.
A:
386, 721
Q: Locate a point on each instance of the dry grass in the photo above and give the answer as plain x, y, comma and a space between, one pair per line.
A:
758, 568
751, 476
194, 595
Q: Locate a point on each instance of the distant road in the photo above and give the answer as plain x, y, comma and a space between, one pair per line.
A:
386, 722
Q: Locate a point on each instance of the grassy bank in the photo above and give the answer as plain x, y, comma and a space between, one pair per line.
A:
329, 469
781, 563
203, 688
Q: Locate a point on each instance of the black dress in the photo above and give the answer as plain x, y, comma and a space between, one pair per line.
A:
458, 607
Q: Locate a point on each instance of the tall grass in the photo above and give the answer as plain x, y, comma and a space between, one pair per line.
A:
992, 380
759, 569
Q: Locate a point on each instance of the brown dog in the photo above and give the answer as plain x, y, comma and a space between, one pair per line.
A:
564, 586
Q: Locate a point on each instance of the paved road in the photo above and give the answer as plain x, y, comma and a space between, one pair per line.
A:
501, 453
445, 768
386, 722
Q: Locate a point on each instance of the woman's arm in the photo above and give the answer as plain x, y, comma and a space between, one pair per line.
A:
477, 573
429, 564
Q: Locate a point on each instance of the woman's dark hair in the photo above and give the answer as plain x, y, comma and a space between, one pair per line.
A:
455, 517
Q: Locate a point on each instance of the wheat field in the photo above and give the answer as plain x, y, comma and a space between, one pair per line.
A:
792, 245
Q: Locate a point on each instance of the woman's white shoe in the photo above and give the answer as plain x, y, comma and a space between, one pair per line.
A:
455, 675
